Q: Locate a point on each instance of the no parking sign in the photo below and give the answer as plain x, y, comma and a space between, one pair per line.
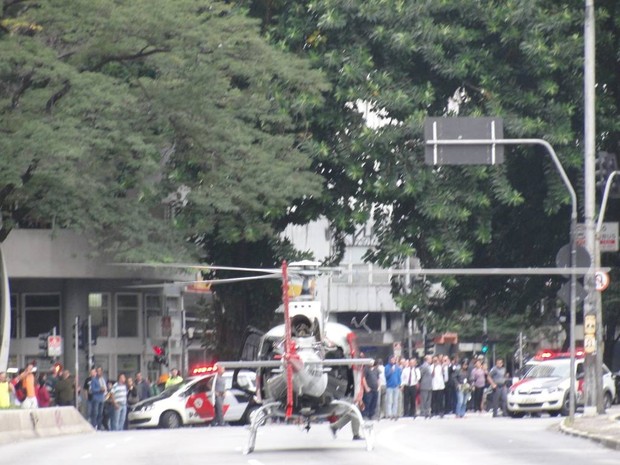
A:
54, 346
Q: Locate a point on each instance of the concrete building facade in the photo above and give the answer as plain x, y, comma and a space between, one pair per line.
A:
359, 297
56, 280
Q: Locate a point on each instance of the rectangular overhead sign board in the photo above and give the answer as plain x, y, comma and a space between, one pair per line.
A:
608, 241
463, 129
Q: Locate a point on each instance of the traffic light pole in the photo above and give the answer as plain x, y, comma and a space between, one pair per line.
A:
573, 226
89, 348
592, 304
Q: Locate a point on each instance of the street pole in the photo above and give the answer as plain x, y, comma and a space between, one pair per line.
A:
520, 350
573, 229
89, 351
592, 304
77, 363
5, 314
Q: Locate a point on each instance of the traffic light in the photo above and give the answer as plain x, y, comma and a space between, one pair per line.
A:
485, 344
429, 345
80, 335
94, 332
160, 355
43, 344
605, 164
83, 335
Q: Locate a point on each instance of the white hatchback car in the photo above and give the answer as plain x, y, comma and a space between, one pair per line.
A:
191, 403
546, 386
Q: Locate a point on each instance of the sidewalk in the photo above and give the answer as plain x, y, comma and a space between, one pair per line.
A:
604, 429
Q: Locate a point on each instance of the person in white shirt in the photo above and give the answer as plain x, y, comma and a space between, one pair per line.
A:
380, 412
409, 386
439, 385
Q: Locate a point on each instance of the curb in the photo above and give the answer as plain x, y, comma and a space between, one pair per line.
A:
611, 442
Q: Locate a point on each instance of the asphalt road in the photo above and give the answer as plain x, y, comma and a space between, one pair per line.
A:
474, 440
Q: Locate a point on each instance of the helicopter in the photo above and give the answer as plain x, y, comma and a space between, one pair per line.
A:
308, 369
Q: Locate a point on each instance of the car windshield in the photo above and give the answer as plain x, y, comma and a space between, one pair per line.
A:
171, 390
549, 370
524, 370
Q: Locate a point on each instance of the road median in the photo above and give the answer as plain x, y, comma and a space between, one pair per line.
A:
17, 425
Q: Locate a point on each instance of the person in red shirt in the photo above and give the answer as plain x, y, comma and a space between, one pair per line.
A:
43, 395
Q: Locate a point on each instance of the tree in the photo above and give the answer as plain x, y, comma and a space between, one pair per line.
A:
108, 108
521, 60
75, 150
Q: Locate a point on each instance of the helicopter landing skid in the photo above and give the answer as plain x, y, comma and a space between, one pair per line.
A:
260, 416
368, 427
258, 419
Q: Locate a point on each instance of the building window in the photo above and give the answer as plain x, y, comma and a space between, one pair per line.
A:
380, 276
42, 313
14, 320
127, 311
360, 274
128, 364
153, 304
99, 310
342, 278
103, 361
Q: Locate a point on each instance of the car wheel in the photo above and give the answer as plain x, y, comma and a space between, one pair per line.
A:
516, 414
553, 413
170, 420
607, 401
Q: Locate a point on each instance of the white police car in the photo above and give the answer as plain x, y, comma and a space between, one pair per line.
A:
546, 384
191, 403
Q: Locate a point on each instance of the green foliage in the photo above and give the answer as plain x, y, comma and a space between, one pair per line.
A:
160, 129
520, 59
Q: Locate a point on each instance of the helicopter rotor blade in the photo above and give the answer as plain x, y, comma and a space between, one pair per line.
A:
209, 281
197, 267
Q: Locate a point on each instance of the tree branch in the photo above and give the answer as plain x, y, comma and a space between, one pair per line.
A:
5, 192
26, 82
57, 96
136, 56
9, 3
27, 176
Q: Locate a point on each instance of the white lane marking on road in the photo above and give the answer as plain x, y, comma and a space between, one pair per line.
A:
111, 445
254, 462
86, 456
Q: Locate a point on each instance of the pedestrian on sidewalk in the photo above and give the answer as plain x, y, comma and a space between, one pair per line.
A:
497, 381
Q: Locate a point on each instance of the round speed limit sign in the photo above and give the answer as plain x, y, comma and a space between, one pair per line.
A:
601, 280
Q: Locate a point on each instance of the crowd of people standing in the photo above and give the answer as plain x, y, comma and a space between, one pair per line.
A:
106, 403
109, 402
29, 389
436, 386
